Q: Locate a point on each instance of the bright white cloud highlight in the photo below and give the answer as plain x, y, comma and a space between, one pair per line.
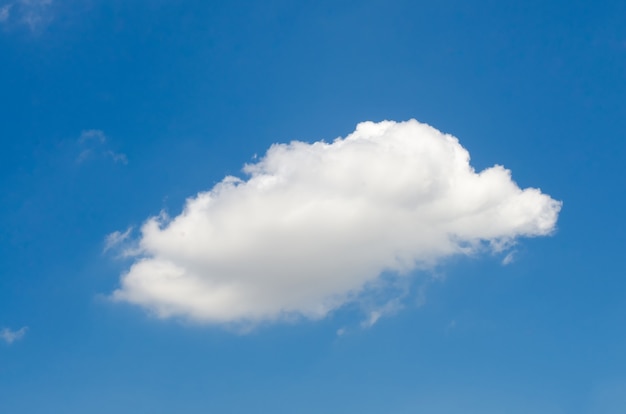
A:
315, 225
9, 336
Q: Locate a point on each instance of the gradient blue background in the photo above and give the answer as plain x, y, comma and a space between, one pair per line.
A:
191, 90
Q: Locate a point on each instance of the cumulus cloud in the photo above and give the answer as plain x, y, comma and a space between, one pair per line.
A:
9, 336
314, 226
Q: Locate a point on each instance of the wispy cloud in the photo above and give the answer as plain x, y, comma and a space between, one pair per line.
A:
115, 239
92, 135
390, 308
9, 336
36, 13
93, 143
451, 326
509, 258
5, 12
32, 13
117, 157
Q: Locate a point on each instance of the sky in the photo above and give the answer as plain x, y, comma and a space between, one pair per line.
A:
329, 206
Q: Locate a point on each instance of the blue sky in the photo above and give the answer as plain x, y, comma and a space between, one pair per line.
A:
113, 112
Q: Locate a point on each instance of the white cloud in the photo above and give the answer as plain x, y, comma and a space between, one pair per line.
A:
387, 309
9, 336
509, 258
315, 225
116, 238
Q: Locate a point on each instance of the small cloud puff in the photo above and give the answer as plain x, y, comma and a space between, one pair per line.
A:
115, 239
93, 143
316, 226
509, 258
9, 336
390, 308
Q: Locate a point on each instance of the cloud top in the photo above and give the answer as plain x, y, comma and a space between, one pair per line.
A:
315, 225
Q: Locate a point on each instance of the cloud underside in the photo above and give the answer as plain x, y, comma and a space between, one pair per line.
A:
314, 226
